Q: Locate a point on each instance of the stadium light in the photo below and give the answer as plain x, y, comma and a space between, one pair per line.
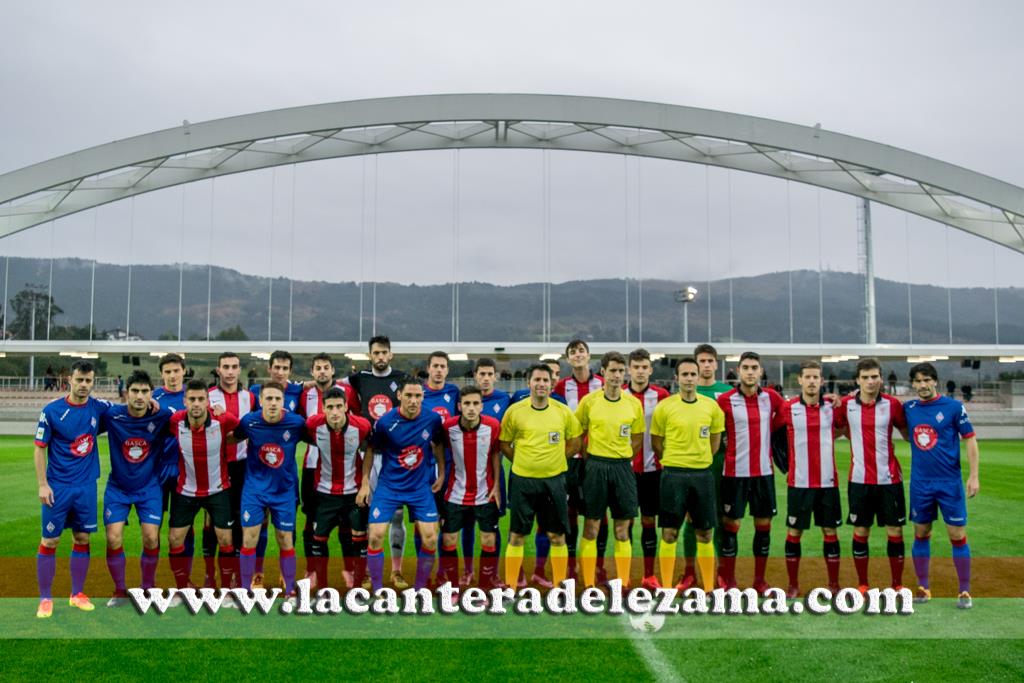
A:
159, 354
458, 356
1011, 359
732, 359
550, 356
260, 355
657, 356
925, 359
356, 356
685, 296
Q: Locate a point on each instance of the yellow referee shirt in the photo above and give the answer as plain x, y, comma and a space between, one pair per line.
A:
539, 437
610, 424
687, 428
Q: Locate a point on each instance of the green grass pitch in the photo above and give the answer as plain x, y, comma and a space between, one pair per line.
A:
938, 642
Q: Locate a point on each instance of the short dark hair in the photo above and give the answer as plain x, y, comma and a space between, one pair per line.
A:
281, 355
138, 377
809, 365
926, 369
82, 367
637, 355
381, 339
321, 356
484, 363
438, 354
196, 384
168, 358
706, 348
612, 357
538, 367
574, 343
335, 392
867, 364
228, 354
750, 355
686, 359
469, 390
272, 385
406, 381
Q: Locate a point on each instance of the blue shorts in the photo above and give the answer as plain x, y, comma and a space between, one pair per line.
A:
948, 496
74, 507
148, 502
385, 502
281, 506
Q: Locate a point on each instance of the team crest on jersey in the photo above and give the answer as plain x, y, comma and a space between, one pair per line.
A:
92, 421
410, 457
378, 405
925, 437
554, 437
287, 435
939, 417
393, 386
135, 449
792, 520
425, 434
82, 446
151, 427
623, 430
272, 455
496, 408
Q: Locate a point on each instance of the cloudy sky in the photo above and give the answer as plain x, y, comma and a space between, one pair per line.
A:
937, 78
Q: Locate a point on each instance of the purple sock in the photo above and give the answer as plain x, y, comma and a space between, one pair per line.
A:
424, 566
287, 563
261, 549
375, 567
468, 547
115, 565
190, 548
922, 554
247, 566
962, 562
147, 566
46, 568
79, 567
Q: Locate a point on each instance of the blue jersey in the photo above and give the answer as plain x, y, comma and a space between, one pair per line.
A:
175, 400
270, 466
405, 449
135, 446
292, 395
936, 427
443, 401
525, 393
495, 404
68, 432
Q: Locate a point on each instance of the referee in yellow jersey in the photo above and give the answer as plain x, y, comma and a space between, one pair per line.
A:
613, 424
538, 435
685, 431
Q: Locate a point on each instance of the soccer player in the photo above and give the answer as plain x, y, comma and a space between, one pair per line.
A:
937, 424
556, 371
229, 396
341, 439
403, 437
67, 468
495, 400
574, 387
613, 430
203, 481
271, 480
646, 467
538, 436
472, 493
375, 393
136, 440
748, 478
876, 481
685, 432
811, 476
707, 385
439, 395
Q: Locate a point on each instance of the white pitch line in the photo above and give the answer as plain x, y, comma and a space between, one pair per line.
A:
661, 669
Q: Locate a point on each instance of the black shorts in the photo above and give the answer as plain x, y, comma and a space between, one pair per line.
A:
185, 508
574, 483
457, 516
169, 487
823, 502
648, 492
757, 492
333, 511
688, 491
543, 498
609, 484
885, 502
308, 492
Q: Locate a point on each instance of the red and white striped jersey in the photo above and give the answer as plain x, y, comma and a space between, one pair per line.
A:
749, 421
644, 460
340, 463
311, 403
573, 390
872, 456
202, 454
809, 430
471, 477
238, 403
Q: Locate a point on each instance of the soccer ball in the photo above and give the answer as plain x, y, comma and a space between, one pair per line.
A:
648, 622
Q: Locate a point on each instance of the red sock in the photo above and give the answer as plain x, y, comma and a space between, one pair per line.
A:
793, 559
179, 566
860, 558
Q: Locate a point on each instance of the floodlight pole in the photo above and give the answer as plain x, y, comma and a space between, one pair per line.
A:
867, 268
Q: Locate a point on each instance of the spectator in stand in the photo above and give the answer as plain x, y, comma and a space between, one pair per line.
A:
950, 388
892, 382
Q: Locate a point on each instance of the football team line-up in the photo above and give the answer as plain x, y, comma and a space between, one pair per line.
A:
379, 443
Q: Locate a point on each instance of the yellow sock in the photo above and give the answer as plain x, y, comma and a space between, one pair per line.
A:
513, 563
623, 560
560, 562
706, 562
667, 563
588, 560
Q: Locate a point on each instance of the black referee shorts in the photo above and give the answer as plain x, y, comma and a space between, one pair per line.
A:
756, 492
543, 498
574, 483
823, 502
609, 484
687, 491
648, 492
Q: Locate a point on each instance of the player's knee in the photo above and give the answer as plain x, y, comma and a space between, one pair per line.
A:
515, 539
704, 535
797, 533
894, 532
488, 538
49, 542
956, 533
557, 539
669, 535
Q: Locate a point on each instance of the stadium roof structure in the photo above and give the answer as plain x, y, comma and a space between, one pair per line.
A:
978, 204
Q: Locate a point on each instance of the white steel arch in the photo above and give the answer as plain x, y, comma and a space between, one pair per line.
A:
978, 204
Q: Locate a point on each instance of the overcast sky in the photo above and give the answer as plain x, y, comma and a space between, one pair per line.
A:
937, 78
